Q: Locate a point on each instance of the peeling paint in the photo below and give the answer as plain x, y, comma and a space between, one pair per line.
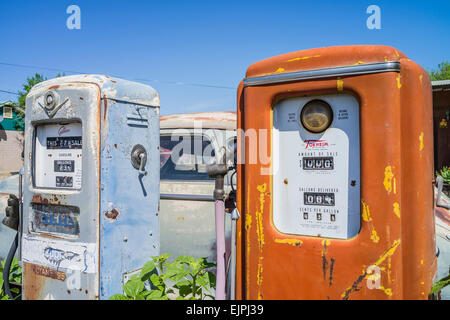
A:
367, 218
325, 244
399, 82
354, 287
259, 215
340, 84
388, 177
292, 242
260, 272
421, 141
303, 58
397, 209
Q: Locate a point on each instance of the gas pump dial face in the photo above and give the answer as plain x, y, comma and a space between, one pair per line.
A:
322, 196
58, 156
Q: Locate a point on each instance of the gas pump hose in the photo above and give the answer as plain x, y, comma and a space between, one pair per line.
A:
8, 262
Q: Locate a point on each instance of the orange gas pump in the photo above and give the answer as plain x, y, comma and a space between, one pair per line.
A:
335, 177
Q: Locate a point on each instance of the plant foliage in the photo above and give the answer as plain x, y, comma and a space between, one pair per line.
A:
186, 278
15, 277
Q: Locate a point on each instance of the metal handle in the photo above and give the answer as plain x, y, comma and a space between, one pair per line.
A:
139, 158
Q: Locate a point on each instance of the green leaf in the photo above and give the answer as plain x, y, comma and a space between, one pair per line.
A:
157, 281
118, 297
175, 271
149, 267
185, 259
133, 287
154, 295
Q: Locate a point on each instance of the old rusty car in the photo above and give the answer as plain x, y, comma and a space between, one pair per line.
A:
190, 142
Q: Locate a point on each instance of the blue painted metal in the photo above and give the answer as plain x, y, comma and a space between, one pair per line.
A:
129, 222
118, 208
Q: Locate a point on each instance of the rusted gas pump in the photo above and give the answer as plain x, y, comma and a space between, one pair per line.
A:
91, 186
338, 201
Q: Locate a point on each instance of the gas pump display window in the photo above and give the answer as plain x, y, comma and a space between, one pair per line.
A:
58, 156
319, 158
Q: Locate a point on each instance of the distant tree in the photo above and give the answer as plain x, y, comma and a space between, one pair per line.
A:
29, 83
443, 72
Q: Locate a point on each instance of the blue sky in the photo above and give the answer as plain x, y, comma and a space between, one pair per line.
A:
172, 44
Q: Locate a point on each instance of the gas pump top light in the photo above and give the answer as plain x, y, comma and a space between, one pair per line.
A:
316, 116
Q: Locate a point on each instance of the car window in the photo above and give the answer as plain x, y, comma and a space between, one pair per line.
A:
186, 158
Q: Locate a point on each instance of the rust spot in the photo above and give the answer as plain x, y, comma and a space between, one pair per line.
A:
112, 214
49, 273
37, 198
68, 291
113, 81
324, 267
115, 146
34, 283
331, 272
354, 286
81, 98
286, 181
86, 291
54, 87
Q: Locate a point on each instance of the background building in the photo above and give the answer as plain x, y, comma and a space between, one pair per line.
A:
11, 138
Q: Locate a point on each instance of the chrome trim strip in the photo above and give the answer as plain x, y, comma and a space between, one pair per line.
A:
379, 67
188, 197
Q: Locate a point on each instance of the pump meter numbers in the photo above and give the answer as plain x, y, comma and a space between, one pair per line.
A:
64, 182
319, 199
320, 163
64, 165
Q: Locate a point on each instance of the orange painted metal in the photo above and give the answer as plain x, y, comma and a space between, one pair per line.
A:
397, 221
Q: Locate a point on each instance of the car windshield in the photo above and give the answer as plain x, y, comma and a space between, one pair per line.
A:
185, 158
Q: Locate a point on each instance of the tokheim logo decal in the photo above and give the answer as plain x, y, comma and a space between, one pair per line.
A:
316, 143
63, 130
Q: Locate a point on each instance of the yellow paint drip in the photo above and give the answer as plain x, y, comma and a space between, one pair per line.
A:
399, 83
358, 63
366, 212
279, 70
259, 215
397, 209
375, 238
340, 84
260, 271
367, 218
421, 78
325, 244
387, 254
388, 176
303, 58
421, 141
387, 291
292, 242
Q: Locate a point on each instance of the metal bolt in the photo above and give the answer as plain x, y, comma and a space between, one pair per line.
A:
125, 239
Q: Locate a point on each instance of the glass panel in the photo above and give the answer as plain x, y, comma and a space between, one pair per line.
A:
186, 158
